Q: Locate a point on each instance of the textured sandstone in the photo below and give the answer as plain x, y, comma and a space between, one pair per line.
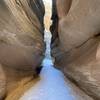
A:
21, 42
76, 45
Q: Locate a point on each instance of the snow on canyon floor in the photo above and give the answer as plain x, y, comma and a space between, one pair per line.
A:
52, 84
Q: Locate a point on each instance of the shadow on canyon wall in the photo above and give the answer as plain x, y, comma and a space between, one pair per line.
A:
75, 42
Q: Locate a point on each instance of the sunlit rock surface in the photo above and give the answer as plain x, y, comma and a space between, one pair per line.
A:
76, 43
48, 12
21, 43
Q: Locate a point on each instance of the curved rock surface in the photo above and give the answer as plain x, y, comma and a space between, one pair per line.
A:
76, 44
21, 42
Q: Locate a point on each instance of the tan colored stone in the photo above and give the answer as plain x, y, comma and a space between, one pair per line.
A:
76, 50
21, 41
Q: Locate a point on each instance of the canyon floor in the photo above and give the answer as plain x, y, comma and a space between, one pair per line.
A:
52, 85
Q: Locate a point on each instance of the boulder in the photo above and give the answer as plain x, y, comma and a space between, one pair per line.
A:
76, 46
21, 42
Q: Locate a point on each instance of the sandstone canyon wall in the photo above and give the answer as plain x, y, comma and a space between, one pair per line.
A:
21, 42
75, 46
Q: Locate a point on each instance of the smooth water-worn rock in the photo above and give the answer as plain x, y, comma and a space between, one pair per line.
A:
21, 42
51, 81
76, 45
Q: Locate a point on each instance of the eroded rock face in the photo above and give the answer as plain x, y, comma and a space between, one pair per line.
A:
77, 51
21, 42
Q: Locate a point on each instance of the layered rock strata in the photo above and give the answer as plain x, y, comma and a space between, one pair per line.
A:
21, 42
75, 46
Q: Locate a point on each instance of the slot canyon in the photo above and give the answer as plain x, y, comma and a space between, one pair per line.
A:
49, 50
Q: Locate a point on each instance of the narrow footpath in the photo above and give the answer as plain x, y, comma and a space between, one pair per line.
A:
52, 84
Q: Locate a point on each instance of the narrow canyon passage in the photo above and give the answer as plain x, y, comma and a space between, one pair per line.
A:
52, 85
49, 49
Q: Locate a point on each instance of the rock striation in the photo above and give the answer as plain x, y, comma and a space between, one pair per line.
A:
75, 46
21, 42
